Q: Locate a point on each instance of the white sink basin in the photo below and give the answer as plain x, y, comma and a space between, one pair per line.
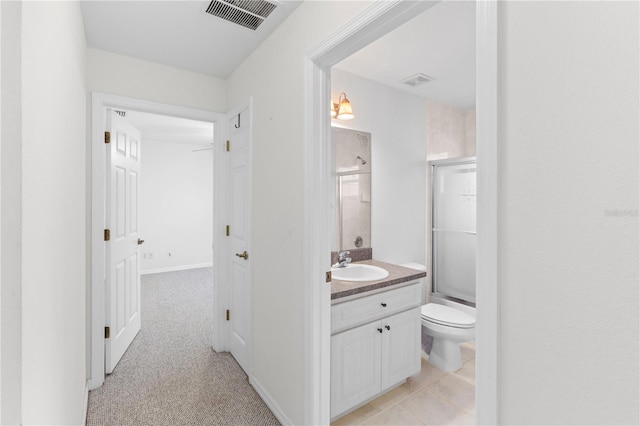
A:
359, 272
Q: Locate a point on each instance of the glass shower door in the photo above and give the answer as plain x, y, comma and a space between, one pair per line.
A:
454, 228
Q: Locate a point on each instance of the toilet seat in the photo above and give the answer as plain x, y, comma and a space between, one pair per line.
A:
446, 316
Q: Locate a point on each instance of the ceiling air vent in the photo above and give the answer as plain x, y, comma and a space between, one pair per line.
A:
248, 13
417, 79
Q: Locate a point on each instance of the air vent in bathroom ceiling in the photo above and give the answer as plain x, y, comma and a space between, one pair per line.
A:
417, 79
248, 13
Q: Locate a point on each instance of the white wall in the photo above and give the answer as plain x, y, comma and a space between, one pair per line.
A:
273, 75
136, 78
53, 213
11, 213
0, 216
568, 270
397, 123
176, 205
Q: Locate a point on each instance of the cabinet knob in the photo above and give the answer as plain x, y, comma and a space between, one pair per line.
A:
380, 330
387, 327
384, 305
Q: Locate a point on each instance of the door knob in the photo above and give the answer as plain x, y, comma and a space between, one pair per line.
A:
243, 255
140, 241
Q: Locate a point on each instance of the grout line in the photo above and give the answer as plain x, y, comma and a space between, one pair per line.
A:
451, 402
416, 418
410, 394
462, 415
441, 398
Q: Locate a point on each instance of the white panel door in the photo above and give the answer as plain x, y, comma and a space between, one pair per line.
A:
400, 347
122, 259
239, 233
355, 366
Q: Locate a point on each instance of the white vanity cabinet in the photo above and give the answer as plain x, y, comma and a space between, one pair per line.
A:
375, 345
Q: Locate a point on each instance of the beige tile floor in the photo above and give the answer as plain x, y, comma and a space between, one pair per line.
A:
431, 397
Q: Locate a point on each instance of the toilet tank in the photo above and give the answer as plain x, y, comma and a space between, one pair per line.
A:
459, 306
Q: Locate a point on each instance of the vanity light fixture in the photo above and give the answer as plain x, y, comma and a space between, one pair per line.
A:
342, 110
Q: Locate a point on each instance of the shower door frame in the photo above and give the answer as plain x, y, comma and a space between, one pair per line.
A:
433, 165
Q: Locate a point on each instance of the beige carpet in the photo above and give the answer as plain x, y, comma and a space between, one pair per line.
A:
170, 375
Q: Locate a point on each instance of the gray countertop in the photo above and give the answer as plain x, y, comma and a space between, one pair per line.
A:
397, 275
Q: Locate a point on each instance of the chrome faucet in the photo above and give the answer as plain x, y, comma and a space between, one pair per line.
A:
343, 260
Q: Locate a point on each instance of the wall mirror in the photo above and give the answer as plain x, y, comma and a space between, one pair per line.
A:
352, 150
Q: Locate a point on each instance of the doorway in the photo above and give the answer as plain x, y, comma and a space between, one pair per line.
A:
176, 192
371, 24
96, 302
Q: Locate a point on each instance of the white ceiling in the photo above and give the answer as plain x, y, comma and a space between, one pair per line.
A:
171, 129
176, 33
440, 43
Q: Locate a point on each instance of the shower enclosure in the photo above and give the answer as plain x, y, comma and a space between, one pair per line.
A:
453, 203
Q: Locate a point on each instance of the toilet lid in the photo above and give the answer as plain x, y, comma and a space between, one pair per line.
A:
445, 315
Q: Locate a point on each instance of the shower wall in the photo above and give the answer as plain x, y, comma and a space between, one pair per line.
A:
451, 132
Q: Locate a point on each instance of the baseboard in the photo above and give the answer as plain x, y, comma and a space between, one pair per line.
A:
85, 405
275, 409
176, 268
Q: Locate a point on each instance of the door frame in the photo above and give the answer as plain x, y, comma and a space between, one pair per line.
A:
375, 21
96, 293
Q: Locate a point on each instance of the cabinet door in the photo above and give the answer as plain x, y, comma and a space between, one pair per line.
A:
400, 347
355, 366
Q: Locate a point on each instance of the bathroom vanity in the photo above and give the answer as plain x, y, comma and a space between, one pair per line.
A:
375, 335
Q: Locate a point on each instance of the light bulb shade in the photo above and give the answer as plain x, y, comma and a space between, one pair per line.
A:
334, 109
344, 108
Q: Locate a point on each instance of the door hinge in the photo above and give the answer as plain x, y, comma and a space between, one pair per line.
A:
107, 332
228, 230
328, 277
228, 315
228, 146
107, 137
107, 235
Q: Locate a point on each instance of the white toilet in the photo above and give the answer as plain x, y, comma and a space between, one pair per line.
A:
449, 327
449, 324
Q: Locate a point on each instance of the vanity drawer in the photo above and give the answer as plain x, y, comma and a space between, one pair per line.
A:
369, 308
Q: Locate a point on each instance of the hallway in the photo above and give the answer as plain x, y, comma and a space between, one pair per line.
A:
170, 375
